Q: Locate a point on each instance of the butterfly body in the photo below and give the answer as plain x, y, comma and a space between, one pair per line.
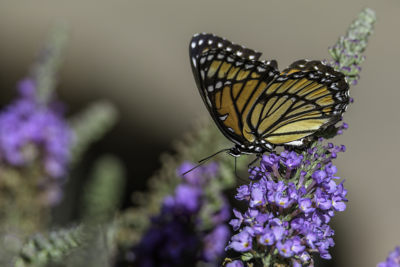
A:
256, 106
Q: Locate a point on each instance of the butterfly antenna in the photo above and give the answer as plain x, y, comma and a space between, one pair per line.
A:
223, 150
205, 160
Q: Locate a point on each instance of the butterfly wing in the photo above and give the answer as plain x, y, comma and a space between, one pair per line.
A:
305, 98
229, 79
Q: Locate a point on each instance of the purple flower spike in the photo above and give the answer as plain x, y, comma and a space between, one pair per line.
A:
290, 209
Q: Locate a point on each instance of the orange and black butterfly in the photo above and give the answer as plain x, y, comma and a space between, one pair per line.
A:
256, 106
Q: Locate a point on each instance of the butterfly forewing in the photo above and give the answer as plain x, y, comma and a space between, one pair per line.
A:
230, 84
306, 97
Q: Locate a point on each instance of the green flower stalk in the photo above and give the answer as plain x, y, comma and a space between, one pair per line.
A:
103, 191
90, 125
52, 247
347, 52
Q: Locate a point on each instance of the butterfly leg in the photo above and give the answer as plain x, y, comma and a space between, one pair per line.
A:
259, 156
253, 168
238, 175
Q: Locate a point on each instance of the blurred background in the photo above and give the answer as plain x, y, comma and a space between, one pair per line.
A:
135, 54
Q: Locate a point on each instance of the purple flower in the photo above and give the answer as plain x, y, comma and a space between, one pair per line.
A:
263, 218
297, 223
305, 257
337, 203
214, 243
236, 263
297, 248
268, 162
257, 198
305, 205
267, 238
243, 193
290, 159
319, 176
236, 223
187, 198
27, 88
29, 129
282, 200
322, 200
241, 242
250, 215
255, 173
393, 260
285, 249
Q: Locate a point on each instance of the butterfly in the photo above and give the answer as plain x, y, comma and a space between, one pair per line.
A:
257, 107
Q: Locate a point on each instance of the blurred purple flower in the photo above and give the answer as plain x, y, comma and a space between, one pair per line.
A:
393, 260
177, 236
29, 130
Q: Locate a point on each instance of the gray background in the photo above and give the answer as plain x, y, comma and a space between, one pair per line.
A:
135, 53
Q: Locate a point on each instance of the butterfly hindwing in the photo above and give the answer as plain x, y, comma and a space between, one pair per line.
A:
306, 97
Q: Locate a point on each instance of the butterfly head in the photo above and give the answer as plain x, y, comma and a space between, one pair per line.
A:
235, 151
